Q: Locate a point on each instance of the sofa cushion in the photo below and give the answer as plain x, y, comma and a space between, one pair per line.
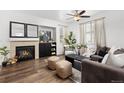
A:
102, 51
96, 58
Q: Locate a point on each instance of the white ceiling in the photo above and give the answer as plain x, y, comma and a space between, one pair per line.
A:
60, 15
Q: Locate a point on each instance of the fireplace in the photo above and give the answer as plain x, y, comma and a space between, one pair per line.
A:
25, 53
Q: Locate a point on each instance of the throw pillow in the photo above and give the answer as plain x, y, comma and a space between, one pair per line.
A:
119, 51
102, 51
113, 49
105, 59
116, 60
111, 52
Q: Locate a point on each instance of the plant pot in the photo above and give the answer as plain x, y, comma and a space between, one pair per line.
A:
78, 51
4, 64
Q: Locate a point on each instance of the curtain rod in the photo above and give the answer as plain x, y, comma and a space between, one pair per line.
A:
93, 20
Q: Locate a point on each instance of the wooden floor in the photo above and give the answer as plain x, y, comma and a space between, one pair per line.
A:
34, 71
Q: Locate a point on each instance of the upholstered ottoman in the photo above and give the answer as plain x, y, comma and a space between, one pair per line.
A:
63, 69
52, 62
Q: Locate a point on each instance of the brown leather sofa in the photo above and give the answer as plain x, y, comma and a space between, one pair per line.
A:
94, 72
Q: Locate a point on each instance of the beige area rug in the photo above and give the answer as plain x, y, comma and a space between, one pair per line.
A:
76, 77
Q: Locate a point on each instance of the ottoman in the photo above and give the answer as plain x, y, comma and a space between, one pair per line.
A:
52, 62
63, 69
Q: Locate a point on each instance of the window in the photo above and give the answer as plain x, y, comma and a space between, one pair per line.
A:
93, 33
89, 34
63, 32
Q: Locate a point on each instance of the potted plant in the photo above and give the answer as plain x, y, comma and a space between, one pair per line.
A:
4, 52
79, 47
71, 41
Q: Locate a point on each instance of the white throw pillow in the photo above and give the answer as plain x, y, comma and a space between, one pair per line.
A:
113, 49
116, 60
105, 59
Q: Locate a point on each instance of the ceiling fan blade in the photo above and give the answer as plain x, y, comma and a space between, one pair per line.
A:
71, 14
82, 12
85, 16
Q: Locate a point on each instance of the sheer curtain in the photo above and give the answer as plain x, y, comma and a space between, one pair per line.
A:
93, 34
88, 34
100, 35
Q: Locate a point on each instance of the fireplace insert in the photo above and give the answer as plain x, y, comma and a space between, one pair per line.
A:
24, 53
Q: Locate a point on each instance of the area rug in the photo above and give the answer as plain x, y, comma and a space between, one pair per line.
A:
76, 77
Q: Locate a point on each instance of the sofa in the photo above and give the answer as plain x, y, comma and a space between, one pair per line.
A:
95, 72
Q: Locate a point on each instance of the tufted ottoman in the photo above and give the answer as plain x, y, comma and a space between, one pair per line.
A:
63, 69
52, 62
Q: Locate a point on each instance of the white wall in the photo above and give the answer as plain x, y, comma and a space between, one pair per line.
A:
114, 26
6, 16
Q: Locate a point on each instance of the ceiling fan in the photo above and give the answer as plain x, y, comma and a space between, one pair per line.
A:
78, 15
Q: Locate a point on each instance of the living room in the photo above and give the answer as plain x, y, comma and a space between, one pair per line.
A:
38, 30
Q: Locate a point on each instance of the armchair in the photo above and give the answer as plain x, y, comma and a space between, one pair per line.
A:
100, 53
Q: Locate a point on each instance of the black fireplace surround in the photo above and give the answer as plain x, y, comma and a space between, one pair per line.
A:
24, 53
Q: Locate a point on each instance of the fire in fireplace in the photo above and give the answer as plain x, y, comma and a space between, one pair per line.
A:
24, 53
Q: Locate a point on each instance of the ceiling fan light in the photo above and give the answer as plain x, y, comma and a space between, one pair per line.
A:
77, 18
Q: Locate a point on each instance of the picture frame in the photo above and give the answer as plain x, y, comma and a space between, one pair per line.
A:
32, 30
23, 30
17, 30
